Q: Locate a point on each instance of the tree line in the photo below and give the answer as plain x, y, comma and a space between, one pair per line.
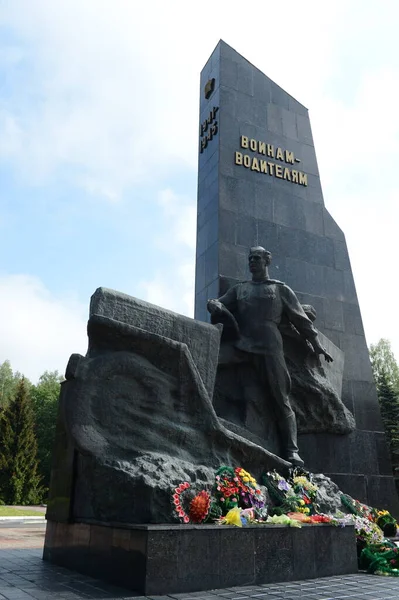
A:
28, 416
386, 376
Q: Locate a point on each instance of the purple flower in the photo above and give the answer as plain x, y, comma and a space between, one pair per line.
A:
283, 485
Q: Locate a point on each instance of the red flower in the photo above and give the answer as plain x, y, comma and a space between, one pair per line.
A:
320, 519
199, 507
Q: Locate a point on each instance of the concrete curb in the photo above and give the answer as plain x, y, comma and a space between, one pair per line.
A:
23, 518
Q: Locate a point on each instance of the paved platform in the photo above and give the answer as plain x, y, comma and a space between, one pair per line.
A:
24, 576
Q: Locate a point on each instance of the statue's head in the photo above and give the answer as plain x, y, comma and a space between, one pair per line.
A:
259, 259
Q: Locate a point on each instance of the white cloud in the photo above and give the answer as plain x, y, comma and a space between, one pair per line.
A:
357, 146
109, 91
173, 286
181, 218
38, 330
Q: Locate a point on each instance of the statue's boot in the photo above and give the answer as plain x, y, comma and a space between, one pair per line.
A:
288, 432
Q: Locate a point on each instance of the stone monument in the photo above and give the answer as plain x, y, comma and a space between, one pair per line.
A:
160, 399
136, 420
259, 184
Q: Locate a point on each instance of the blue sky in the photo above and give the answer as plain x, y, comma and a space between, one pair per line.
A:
98, 150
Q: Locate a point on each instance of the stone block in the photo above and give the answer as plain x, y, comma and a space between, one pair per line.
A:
326, 453
228, 99
229, 74
354, 485
246, 230
289, 125
382, 494
357, 359
263, 200
288, 211
177, 559
333, 283
279, 96
297, 107
341, 256
233, 260
211, 263
201, 299
315, 195
352, 318
236, 195
228, 225
383, 457
275, 119
348, 398
363, 452
207, 212
304, 553
59, 503
304, 129
245, 81
334, 314
131, 311
237, 557
200, 281
313, 282
325, 552
309, 162
348, 288
262, 86
268, 233
344, 556
274, 555
207, 235
313, 214
366, 408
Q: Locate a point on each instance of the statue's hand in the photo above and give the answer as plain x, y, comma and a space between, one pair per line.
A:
328, 357
320, 350
214, 306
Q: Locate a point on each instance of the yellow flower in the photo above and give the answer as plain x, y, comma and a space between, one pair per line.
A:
233, 517
305, 483
301, 502
245, 479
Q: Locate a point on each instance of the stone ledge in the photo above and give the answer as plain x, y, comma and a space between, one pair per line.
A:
159, 559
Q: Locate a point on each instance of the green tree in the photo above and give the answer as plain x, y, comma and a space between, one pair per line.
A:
8, 383
45, 402
389, 403
384, 364
19, 477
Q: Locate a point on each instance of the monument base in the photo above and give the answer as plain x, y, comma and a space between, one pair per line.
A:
163, 559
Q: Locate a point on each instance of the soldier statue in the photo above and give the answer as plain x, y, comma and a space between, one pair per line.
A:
257, 307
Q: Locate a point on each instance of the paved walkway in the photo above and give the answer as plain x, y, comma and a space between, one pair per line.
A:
24, 576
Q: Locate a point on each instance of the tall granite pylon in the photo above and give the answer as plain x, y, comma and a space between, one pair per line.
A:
258, 183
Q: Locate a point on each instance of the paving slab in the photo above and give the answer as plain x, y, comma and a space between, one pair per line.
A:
24, 576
